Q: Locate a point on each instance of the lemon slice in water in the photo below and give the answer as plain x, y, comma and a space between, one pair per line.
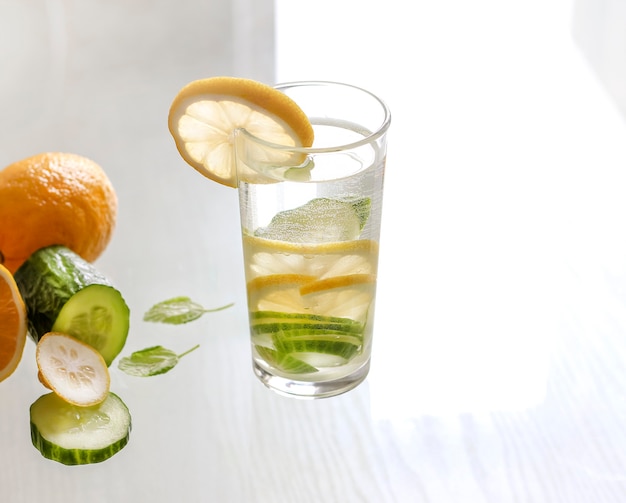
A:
267, 257
349, 296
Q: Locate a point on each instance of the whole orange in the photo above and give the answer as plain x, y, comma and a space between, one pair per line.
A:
55, 199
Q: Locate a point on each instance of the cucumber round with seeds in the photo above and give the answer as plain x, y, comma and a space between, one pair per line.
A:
64, 293
75, 435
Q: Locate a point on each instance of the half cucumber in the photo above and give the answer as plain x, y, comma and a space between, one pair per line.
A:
79, 435
64, 293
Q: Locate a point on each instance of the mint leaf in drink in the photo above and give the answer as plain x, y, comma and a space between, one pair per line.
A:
321, 220
178, 310
151, 361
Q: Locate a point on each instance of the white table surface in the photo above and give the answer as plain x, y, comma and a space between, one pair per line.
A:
498, 372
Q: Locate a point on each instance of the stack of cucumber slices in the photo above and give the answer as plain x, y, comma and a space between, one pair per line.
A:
287, 340
80, 323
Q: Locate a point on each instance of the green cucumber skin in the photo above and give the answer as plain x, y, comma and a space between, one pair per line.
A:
301, 329
257, 317
48, 279
74, 456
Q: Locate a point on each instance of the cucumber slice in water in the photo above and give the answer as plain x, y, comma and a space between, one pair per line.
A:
271, 316
79, 435
301, 341
291, 346
64, 293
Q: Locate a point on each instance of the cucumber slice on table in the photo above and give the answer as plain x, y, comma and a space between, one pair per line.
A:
64, 293
79, 435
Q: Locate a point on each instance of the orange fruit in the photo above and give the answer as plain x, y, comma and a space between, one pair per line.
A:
55, 199
13, 327
206, 113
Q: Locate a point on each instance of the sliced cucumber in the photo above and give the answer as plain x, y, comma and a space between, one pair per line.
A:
289, 330
98, 316
267, 318
303, 328
79, 435
343, 349
64, 293
293, 341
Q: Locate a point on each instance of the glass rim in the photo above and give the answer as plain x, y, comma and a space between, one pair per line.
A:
372, 136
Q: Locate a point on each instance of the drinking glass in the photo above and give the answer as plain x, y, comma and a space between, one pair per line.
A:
310, 220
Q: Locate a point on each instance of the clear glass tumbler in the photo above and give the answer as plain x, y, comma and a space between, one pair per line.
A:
310, 221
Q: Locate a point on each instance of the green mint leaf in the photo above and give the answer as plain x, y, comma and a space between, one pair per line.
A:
285, 362
151, 361
177, 311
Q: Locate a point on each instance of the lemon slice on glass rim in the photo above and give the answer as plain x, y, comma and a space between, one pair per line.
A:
205, 115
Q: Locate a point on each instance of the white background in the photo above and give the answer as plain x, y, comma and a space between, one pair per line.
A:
500, 336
